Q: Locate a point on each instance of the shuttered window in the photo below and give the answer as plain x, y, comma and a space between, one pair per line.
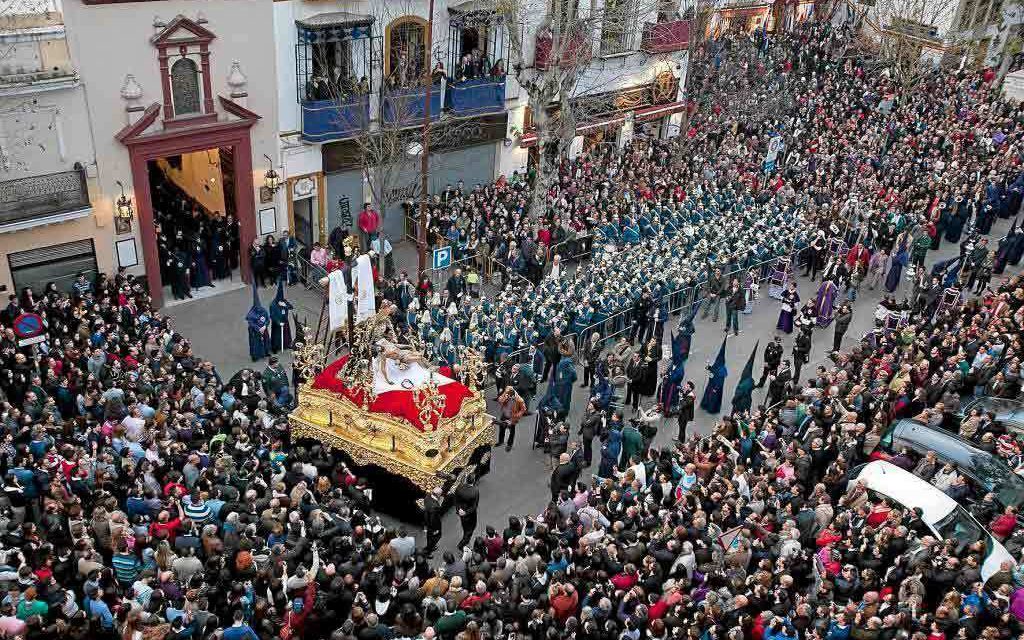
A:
59, 264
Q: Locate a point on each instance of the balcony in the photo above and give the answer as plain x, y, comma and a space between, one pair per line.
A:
575, 48
665, 37
476, 97
43, 199
326, 120
405, 107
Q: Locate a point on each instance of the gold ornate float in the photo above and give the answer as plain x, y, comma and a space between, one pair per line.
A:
435, 453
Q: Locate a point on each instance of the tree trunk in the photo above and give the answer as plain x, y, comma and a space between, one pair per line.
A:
1004, 62
538, 190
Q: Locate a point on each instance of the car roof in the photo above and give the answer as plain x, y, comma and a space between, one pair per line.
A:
980, 465
946, 445
1008, 411
907, 489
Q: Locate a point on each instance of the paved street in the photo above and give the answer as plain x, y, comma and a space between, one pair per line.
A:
518, 481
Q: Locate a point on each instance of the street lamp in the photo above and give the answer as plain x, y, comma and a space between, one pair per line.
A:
271, 180
123, 206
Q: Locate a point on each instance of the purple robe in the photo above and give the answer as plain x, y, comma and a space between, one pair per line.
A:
826, 302
790, 299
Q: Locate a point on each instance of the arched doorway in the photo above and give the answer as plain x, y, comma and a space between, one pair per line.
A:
145, 148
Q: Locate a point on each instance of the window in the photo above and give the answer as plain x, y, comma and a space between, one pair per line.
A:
668, 10
618, 26
563, 12
185, 92
183, 52
406, 52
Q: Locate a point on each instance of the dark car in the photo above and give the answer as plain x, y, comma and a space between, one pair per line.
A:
1009, 414
982, 468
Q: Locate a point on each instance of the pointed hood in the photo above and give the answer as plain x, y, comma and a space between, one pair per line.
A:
280, 292
748, 369
742, 398
686, 326
681, 341
712, 400
718, 366
257, 310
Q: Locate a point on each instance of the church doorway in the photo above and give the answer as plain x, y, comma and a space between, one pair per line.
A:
196, 221
198, 182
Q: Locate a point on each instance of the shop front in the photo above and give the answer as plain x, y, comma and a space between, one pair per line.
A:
461, 151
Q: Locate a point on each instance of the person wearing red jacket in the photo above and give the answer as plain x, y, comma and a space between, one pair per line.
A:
1004, 524
828, 537
300, 606
564, 599
858, 255
626, 580
369, 224
480, 595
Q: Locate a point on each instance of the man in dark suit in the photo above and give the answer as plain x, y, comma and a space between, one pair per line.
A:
456, 286
467, 498
589, 429
433, 509
565, 473
687, 399
779, 384
772, 359
735, 301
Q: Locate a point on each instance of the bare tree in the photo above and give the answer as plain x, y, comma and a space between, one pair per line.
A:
696, 83
1011, 31
907, 31
558, 96
388, 133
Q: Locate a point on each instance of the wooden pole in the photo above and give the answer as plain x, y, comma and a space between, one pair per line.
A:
425, 143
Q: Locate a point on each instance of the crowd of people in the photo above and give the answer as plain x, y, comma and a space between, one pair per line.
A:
196, 247
148, 498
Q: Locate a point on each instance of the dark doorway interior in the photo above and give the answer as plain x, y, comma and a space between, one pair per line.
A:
197, 231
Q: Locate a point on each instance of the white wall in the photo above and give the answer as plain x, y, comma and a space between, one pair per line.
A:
45, 132
110, 41
288, 116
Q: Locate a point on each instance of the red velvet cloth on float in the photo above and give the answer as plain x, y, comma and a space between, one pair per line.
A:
394, 394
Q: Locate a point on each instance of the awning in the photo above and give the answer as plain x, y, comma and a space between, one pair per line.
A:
658, 111
473, 12
744, 13
333, 27
335, 19
530, 139
474, 6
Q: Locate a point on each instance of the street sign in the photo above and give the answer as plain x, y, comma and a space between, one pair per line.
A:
24, 342
442, 258
28, 325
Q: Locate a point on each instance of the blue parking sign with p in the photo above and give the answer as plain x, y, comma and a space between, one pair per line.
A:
442, 258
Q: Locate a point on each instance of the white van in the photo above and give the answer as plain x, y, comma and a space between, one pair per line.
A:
941, 514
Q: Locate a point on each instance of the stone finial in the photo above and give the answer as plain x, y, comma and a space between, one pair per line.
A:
130, 89
131, 92
236, 79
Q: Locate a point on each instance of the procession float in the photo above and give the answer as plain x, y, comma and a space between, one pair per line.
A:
405, 425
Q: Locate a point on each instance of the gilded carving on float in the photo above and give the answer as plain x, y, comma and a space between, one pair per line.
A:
429, 456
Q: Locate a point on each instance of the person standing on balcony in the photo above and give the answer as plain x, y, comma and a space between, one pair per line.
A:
369, 223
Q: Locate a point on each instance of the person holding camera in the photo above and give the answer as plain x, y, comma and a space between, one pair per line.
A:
513, 408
